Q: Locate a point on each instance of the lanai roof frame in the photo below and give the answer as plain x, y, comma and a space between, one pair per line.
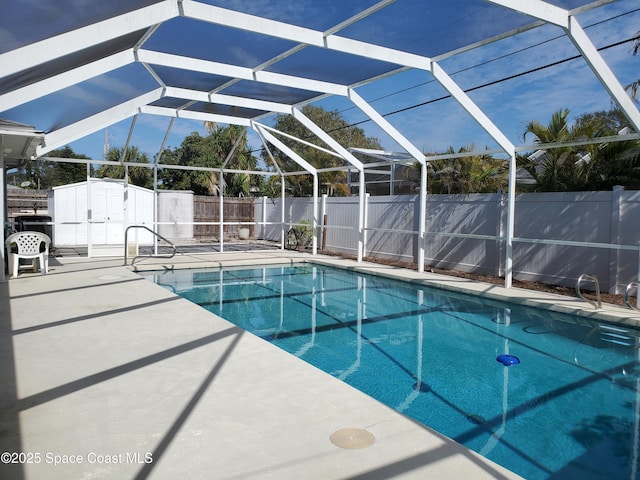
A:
71, 54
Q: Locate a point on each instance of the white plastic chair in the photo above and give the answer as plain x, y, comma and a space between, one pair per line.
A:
28, 246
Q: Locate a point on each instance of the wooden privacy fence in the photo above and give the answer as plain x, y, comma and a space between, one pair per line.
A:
238, 213
25, 202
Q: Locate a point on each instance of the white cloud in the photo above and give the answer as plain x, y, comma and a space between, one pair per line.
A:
113, 84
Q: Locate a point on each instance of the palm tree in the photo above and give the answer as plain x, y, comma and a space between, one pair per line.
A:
221, 140
602, 166
472, 174
597, 166
553, 169
140, 176
209, 126
239, 184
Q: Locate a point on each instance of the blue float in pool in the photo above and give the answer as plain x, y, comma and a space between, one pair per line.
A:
508, 360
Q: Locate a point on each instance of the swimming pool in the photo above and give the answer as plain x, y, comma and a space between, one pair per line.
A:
569, 409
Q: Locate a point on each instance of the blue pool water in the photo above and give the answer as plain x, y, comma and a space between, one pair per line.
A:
568, 410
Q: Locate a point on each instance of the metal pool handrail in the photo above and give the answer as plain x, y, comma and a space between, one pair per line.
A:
627, 290
126, 234
586, 276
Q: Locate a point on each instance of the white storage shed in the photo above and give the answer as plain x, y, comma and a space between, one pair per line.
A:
98, 211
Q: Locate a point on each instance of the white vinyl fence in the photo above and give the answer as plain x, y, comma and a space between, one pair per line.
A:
558, 236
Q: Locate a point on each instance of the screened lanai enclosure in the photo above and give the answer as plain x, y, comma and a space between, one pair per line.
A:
69, 72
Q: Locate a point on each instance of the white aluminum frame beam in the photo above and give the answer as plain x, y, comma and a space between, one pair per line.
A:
569, 23
221, 99
123, 153
306, 36
253, 23
153, 57
385, 155
243, 73
269, 153
282, 186
359, 16
602, 71
284, 149
49, 49
479, 116
326, 138
304, 164
303, 142
562, 18
191, 115
147, 17
382, 122
150, 17
158, 156
235, 146
149, 58
67, 79
376, 52
471, 108
74, 131
537, 9
348, 156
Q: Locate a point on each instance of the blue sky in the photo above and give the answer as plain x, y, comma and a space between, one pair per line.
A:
438, 125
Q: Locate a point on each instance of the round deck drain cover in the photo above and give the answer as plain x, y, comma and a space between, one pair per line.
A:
352, 438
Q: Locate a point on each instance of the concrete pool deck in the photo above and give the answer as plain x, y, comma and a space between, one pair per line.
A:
108, 376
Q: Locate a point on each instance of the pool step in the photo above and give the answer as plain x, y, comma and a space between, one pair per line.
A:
617, 335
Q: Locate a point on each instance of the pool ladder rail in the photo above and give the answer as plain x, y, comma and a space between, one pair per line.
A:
597, 304
126, 233
627, 292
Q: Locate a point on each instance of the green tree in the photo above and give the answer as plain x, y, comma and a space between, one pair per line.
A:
237, 184
66, 173
140, 176
597, 166
472, 174
609, 164
339, 129
601, 123
271, 186
45, 174
210, 151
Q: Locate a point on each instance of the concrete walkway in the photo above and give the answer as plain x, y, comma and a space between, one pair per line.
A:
108, 376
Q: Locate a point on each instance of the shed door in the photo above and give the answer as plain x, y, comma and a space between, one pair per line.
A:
107, 227
98, 214
115, 216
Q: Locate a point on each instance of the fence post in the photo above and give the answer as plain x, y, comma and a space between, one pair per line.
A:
365, 224
500, 233
221, 206
264, 217
323, 230
614, 238
282, 213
